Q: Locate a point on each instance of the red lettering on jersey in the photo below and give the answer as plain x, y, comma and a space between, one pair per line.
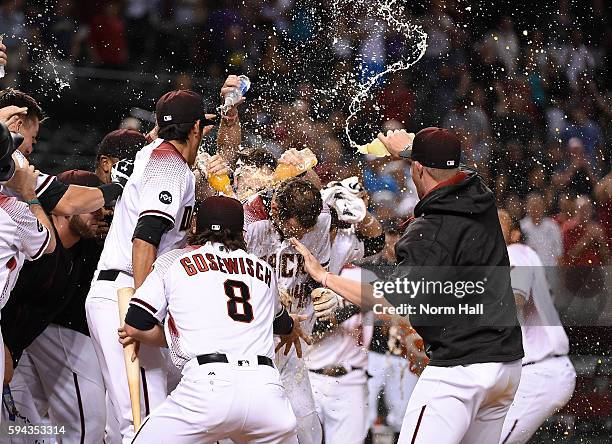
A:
189, 268
271, 260
268, 278
211, 262
285, 269
221, 267
11, 264
249, 263
231, 264
258, 271
200, 262
241, 262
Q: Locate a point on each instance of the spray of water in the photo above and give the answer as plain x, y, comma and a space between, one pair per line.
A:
391, 13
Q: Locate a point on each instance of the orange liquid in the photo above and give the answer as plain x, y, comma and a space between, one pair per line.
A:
285, 171
222, 184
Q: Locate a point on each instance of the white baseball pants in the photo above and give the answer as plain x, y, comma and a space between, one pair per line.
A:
342, 409
294, 376
218, 401
545, 387
460, 404
103, 320
393, 374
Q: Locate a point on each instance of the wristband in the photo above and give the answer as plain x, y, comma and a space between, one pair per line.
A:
33, 202
327, 273
111, 192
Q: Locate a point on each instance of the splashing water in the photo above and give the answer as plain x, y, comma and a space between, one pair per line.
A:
388, 11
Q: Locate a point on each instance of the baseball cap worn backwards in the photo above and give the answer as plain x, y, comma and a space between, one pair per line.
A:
435, 148
177, 107
219, 212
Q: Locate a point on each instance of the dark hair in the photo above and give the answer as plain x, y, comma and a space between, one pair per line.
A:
335, 221
257, 157
232, 240
178, 131
299, 198
11, 96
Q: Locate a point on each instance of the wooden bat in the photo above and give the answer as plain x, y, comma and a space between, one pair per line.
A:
132, 368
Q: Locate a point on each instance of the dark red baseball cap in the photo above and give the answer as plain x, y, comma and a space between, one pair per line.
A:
121, 144
435, 148
219, 212
79, 177
176, 107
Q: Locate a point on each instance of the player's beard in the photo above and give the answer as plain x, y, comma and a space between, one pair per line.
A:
85, 231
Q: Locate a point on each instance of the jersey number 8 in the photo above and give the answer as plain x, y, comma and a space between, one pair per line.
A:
238, 293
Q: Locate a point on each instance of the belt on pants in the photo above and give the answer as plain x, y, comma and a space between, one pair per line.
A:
221, 357
334, 370
548, 357
110, 275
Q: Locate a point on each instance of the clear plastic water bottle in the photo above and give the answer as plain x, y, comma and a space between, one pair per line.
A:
236, 94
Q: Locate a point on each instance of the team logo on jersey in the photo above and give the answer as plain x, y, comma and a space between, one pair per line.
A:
165, 197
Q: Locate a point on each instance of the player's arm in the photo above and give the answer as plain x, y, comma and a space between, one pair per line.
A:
34, 228
145, 241
148, 307
229, 134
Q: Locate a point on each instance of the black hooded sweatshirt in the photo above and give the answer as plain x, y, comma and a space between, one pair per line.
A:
456, 228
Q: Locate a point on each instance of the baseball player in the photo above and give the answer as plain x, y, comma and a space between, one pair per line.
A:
58, 373
475, 360
151, 218
338, 361
25, 230
55, 197
548, 377
295, 209
390, 371
221, 338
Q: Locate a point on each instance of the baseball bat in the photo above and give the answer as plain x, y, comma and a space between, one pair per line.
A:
132, 368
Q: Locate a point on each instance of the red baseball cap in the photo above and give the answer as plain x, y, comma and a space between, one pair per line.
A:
435, 148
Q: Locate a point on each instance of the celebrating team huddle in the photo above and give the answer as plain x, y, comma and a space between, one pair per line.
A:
249, 302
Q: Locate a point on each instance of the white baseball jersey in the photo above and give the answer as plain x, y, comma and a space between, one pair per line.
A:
22, 237
347, 345
265, 242
163, 185
212, 301
543, 335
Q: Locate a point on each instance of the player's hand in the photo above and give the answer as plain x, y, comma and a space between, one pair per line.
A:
3, 56
230, 84
396, 141
11, 114
8, 366
23, 181
324, 302
121, 171
152, 135
311, 264
216, 166
126, 340
294, 337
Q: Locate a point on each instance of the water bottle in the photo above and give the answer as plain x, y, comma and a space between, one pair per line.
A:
236, 94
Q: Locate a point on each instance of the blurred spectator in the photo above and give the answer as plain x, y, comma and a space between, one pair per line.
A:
587, 131
575, 57
578, 177
584, 240
107, 37
396, 100
505, 44
541, 233
603, 197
